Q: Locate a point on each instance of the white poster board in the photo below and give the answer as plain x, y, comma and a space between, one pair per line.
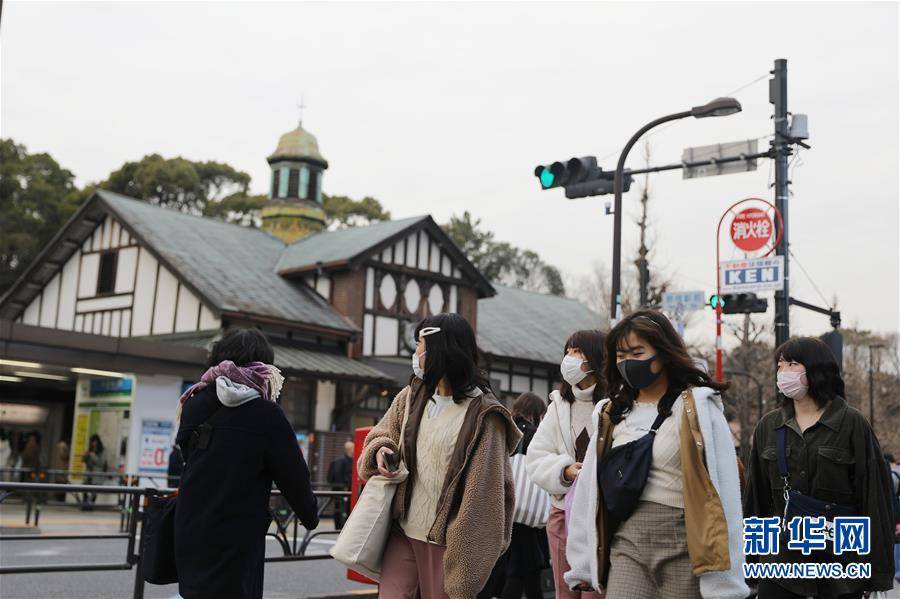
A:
156, 444
752, 274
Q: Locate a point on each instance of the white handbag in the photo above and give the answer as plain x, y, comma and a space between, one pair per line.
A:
532, 502
362, 541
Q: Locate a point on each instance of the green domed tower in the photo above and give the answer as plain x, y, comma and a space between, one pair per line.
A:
294, 209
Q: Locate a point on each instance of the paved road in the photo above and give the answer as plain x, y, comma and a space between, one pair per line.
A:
282, 580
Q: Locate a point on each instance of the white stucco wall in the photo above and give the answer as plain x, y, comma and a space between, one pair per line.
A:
155, 398
325, 401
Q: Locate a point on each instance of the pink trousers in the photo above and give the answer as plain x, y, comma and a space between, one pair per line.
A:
556, 538
411, 569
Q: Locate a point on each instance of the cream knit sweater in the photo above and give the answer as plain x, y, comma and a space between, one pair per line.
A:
664, 482
438, 432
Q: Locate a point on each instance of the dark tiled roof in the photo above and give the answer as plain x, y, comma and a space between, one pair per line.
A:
296, 359
340, 245
233, 267
530, 326
326, 364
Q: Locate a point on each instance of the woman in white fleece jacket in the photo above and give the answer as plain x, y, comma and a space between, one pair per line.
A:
558, 448
683, 539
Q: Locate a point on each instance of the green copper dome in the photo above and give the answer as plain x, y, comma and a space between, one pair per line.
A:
298, 144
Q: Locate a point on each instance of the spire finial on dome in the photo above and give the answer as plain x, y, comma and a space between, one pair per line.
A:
301, 106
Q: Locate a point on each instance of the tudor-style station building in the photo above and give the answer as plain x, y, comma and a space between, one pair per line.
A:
112, 321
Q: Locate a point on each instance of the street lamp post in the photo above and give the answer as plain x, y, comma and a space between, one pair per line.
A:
718, 107
872, 386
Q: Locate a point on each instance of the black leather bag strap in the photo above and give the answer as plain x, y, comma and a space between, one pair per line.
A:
660, 418
202, 435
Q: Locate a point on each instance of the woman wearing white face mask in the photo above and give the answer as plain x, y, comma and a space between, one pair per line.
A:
556, 453
834, 467
453, 513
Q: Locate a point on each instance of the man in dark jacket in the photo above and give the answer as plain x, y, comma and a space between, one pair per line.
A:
340, 475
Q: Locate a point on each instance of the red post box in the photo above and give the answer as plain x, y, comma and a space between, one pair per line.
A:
356, 487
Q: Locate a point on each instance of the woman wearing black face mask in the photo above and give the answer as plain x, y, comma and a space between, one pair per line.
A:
668, 515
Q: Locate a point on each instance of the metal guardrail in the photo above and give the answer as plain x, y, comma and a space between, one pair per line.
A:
34, 502
126, 477
133, 513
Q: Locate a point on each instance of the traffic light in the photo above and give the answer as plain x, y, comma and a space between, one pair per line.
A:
835, 342
716, 299
743, 303
581, 177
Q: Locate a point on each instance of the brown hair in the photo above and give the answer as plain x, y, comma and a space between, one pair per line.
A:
654, 328
590, 343
530, 407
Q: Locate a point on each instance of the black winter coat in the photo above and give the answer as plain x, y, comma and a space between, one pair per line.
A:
223, 505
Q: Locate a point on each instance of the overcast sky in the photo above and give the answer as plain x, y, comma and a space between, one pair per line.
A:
440, 108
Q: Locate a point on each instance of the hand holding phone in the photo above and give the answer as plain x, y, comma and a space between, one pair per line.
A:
388, 462
392, 461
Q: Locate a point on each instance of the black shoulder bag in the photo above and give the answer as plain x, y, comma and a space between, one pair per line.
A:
623, 472
796, 504
158, 527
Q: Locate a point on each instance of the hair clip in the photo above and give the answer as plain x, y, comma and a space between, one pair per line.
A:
642, 317
428, 331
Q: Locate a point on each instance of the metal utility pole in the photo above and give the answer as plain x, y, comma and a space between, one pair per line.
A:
781, 146
872, 385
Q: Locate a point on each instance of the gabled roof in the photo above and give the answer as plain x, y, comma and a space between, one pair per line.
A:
230, 265
347, 247
231, 268
338, 247
530, 326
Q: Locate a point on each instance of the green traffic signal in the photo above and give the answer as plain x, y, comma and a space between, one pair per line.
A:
715, 300
546, 177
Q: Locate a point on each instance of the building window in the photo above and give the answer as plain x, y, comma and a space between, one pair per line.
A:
276, 180
293, 183
283, 182
304, 183
314, 187
106, 278
298, 400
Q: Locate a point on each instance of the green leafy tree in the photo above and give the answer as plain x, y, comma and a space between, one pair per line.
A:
219, 190
37, 196
342, 212
502, 262
177, 182
237, 208
478, 245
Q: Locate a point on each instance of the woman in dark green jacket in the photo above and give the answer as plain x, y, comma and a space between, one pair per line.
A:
832, 455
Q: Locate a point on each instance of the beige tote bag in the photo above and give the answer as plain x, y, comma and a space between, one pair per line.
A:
362, 541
